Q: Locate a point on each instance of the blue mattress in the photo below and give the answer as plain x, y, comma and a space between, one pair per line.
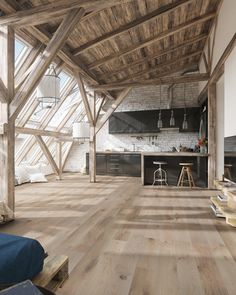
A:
20, 259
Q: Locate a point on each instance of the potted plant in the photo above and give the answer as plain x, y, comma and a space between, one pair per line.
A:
202, 142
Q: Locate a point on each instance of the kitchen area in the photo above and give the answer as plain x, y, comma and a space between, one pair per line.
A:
132, 141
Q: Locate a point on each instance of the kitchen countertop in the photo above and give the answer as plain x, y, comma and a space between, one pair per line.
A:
166, 154
174, 154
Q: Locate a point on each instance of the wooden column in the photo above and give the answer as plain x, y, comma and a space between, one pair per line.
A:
7, 140
211, 134
92, 155
59, 159
92, 142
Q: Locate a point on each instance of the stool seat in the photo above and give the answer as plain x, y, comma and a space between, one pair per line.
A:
228, 165
185, 164
186, 175
160, 175
159, 163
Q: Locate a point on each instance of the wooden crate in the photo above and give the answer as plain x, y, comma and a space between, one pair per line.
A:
54, 273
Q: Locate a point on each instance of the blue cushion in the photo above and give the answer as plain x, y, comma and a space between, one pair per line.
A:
20, 259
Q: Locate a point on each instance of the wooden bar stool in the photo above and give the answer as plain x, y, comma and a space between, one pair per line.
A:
186, 175
160, 175
227, 171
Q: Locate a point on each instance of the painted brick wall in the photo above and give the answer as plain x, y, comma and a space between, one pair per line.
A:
144, 98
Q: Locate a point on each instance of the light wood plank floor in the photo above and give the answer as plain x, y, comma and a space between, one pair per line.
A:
123, 238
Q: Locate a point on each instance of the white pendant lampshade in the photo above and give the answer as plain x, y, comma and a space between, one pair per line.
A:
80, 130
48, 90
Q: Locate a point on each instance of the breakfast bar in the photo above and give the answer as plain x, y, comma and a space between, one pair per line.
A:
172, 167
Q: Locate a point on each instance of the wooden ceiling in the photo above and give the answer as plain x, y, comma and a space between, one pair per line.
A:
123, 40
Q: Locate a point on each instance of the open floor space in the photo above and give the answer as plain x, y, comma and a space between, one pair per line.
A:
124, 238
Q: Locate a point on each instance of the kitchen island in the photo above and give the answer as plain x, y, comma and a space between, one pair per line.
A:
172, 167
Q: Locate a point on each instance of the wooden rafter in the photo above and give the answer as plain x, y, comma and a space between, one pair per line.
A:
169, 62
47, 154
164, 80
156, 13
57, 9
151, 57
42, 64
84, 98
31, 131
3, 92
111, 109
149, 41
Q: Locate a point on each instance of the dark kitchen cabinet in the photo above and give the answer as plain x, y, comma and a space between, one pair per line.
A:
146, 121
117, 164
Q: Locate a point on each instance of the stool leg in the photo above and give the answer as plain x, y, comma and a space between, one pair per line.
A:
189, 178
180, 177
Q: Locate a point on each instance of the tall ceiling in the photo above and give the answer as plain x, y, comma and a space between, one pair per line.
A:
123, 40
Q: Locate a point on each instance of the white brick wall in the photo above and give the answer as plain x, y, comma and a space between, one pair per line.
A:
144, 98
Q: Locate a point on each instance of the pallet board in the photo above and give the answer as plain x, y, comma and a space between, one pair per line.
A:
54, 273
228, 213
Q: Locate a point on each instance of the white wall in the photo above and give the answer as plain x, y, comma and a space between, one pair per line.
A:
145, 98
225, 31
230, 94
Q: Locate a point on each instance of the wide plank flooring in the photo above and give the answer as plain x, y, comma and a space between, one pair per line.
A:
122, 238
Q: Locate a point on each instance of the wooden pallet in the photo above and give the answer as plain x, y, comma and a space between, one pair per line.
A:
54, 273
228, 213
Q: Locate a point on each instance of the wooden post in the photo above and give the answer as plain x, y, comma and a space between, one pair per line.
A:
211, 134
7, 140
92, 142
59, 159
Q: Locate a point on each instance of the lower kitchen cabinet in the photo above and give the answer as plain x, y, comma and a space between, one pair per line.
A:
117, 164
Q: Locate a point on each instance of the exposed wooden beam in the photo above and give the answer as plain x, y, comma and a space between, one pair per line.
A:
99, 108
72, 63
59, 158
156, 13
57, 9
32, 131
151, 57
84, 98
42, 64
151, 40
7, 140
211, 134
3, 92
161, 65
47, 154
111, 109
164, 80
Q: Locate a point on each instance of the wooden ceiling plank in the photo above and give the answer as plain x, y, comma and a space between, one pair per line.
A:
156, 55
146, 18
170, 32
163, 64
44, 61
160, 81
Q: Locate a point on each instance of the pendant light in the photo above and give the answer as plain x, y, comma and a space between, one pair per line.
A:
159, 122
80, 130
48, 90
172, 119
185, 122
